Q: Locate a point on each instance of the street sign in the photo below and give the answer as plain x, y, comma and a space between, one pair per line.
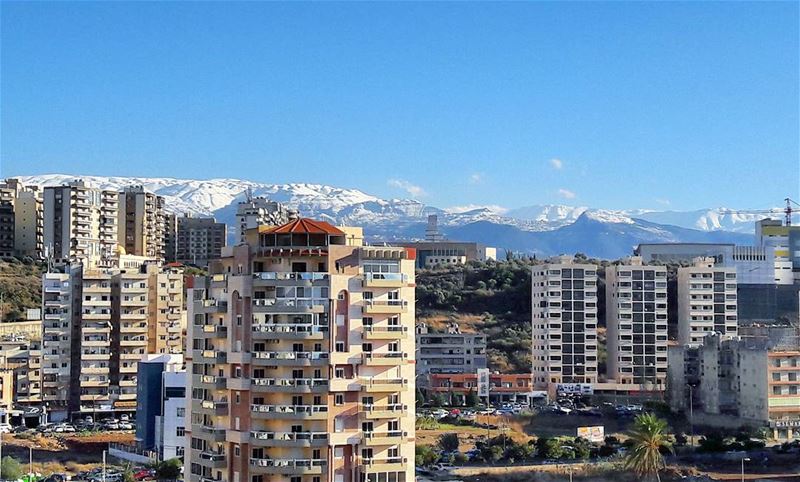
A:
483, 382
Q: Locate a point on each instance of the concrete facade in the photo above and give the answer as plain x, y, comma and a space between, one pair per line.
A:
449, 352
564, 324
636, 324
288, 381
707, 301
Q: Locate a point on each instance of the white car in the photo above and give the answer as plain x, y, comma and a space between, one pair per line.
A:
5, 428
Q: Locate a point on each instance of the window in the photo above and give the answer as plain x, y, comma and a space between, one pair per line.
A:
181, 412
338, 399
180, 431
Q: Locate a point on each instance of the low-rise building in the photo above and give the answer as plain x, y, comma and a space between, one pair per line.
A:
160, 411
502, 387
449, 352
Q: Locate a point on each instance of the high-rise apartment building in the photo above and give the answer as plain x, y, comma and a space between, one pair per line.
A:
29, 223
636, 324
57, 321
98, 323
8, 197
302, 360
707, 301
564, 324
140, 227
260, 211
80, 222
785, 243
170, 237
198, 240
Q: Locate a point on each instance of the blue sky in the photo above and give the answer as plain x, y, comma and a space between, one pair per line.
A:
614, 105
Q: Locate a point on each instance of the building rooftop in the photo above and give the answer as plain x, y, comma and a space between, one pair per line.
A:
302, 226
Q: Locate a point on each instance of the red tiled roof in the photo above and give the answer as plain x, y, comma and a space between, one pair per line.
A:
303, 226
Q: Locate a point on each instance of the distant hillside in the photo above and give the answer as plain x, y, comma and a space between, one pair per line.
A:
20, 286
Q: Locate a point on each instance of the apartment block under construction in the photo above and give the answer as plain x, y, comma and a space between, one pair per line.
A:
302, 360
98, 323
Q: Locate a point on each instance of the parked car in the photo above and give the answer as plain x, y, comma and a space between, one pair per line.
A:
125, 426
5, 428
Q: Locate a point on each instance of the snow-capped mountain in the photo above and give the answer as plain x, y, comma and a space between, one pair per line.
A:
548, 229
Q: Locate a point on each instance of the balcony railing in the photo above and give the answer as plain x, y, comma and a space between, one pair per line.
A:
290, 355
289, 463
290, 436
303, 276
291, 302
299, 328
290, 382
289, 409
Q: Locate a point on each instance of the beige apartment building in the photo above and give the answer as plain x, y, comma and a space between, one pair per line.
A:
707, 301
80, 222
636, 324
98, 323
140, 227
564, 324
302, 360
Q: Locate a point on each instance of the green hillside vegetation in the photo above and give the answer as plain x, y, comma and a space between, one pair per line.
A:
494, 298
20, 287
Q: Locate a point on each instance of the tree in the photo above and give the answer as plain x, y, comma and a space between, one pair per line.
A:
437, 400
448, 442
471, 399
420, 397
10, 469
169, 469
424, 455
649, 437
127, 473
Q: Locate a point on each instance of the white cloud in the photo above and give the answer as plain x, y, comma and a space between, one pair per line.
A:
663, 202
476, 178
557, 163
566, 193
471, 207
413, 190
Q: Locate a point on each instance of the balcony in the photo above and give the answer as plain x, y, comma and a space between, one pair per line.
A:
388, 464
289, 331
215, 433
209, 356
290, 412
213, 306
385, 280
290, 385
268, 278
385, 359
290, 358
289, 439
290, 305
213, 331
388, 307
213, 459
374, 385
290, 466
209, 382
385, 332
213, 407
384, 438
377, 412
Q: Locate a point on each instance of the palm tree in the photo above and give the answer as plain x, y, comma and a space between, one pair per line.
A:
649, 436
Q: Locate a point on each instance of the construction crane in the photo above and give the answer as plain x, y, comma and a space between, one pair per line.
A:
787, 211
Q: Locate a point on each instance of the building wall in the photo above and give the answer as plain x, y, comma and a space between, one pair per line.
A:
564, 324
258, 308
636, 324
706, 301
28, 234
450, 353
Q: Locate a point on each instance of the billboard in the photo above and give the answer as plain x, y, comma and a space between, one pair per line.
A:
592, 434
483, 382
574, 389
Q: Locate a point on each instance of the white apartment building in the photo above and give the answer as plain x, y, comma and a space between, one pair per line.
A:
80, 222
564, 324
707, 301
260, 211
56, 342
636, 324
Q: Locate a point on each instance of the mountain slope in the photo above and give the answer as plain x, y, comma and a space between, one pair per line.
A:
545, 230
